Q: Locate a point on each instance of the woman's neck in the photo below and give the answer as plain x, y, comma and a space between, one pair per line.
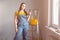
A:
22, 10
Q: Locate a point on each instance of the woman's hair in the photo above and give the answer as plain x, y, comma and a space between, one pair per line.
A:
24, 9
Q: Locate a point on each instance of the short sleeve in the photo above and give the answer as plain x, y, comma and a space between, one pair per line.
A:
16, 13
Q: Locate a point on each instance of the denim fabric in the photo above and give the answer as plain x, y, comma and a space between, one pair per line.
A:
22, 27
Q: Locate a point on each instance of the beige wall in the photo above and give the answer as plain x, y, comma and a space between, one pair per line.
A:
44, 18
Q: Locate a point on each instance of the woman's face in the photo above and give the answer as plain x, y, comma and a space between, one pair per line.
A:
23, 6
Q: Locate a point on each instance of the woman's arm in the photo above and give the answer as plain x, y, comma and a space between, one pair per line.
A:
15, 23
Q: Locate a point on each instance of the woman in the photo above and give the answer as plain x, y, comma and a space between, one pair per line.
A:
21, 22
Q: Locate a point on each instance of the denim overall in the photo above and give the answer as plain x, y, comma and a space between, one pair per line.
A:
22, 27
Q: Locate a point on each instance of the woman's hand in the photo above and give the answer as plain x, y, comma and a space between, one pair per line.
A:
16, 29
30, 11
